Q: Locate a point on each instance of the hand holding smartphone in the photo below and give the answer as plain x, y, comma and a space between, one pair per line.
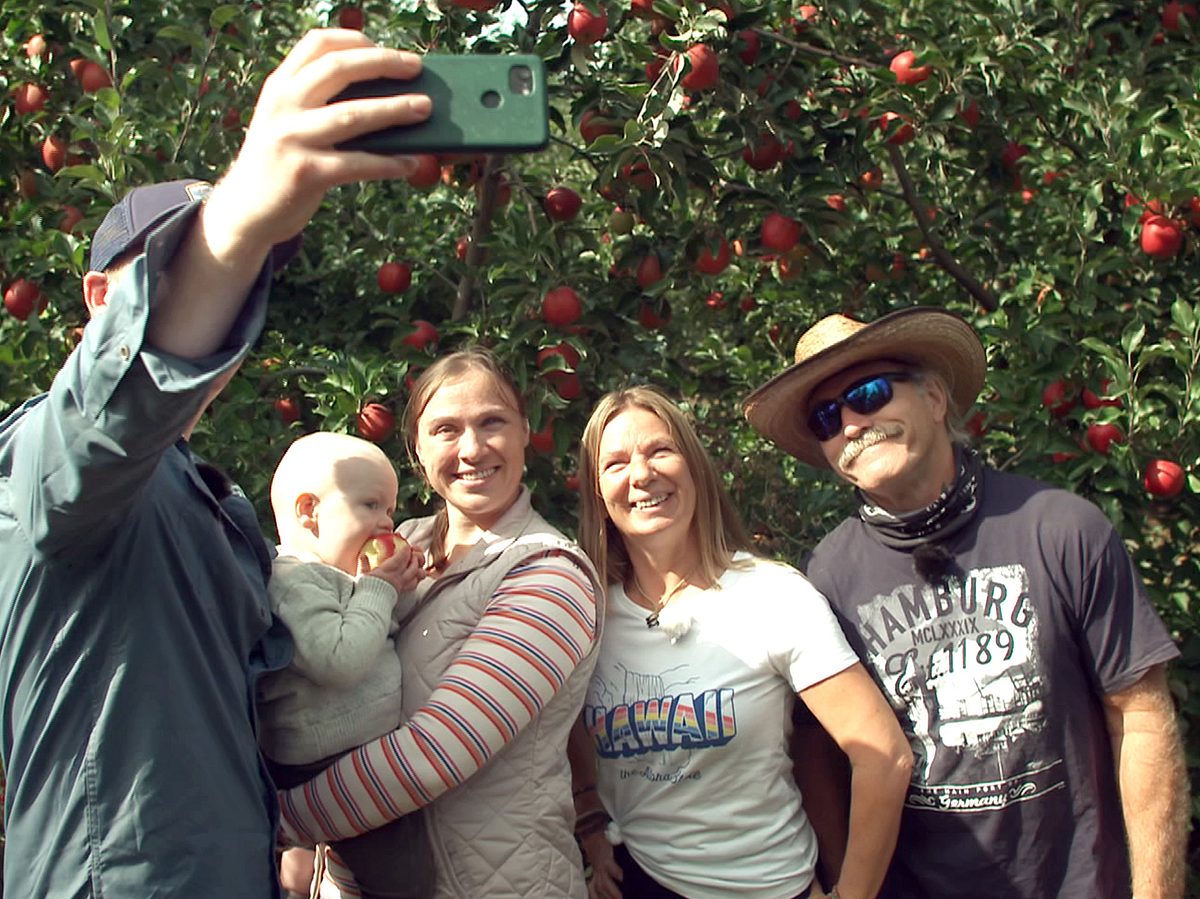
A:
481, 103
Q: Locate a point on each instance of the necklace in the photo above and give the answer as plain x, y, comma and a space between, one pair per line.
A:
652, 618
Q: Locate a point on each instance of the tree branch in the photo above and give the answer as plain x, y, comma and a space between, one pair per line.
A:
480, 229
811, 50
951, 265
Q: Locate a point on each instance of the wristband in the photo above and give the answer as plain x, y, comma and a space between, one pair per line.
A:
591, 822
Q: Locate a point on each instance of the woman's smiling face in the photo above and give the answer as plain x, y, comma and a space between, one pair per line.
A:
644, 479
471, 441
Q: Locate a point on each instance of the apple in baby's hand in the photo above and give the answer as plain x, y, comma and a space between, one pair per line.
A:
380, 547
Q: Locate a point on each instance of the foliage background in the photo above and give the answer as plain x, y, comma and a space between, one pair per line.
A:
1039, 251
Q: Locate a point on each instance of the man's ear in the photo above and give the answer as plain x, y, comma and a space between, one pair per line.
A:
306, 511
938, 398
95, 292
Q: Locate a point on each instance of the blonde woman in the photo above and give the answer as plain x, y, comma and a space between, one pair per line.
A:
688, 712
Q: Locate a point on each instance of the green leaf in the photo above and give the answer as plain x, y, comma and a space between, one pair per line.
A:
100, 30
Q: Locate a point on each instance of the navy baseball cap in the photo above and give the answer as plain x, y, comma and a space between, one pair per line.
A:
141, 210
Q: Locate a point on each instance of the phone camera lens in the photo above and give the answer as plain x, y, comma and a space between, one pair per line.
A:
490, 99
520, 80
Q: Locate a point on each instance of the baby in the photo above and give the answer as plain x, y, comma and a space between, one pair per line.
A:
334, 497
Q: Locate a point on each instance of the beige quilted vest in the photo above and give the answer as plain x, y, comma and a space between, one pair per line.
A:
508, 831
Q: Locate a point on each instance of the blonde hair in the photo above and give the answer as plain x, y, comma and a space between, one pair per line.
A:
450, 368
718, 527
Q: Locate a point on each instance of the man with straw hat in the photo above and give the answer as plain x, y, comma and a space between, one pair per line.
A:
1001, 617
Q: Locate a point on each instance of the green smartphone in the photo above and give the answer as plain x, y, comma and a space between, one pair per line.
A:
481, 103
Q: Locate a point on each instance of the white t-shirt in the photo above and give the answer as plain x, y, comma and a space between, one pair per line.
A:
691, 736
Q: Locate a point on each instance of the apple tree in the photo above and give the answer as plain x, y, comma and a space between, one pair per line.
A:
721, 175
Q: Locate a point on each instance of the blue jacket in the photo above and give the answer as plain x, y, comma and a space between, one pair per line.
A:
133, 624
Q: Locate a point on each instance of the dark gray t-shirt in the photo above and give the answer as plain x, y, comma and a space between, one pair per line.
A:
996, 679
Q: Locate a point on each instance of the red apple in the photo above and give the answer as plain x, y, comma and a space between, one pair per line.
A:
1092, 400
35, 46
423, 335
351, 17
1163, 478
806, 13
70, 220
30, 98
22, 298
232, 119
568, 354
1101, 435
77, 66
901, 133
427, 173
1161, 237
641, 9
394, 277
585, 26
621, 221
288, 409
562, 204
871, 179
969, 113
708, 263
639, 174
565, 383
765, 154
904, 70
715, 301
649, 271
27, 185
94, 77
561, 307
747, 304
1173, 10
375, 422
594, 123
381, 547
1056, 397
779, 233
1012, 153
651, 319
542, 440
836, 202
752, 43
705, 67
54, 152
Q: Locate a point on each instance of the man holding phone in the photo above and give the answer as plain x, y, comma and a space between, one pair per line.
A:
133, 594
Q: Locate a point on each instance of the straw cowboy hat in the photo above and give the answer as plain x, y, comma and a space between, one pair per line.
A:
924, 337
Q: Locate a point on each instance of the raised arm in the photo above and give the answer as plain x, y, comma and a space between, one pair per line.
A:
537, 627
1152, 780
177, 322
850, 707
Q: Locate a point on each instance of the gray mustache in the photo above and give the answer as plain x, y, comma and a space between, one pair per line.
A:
866, 439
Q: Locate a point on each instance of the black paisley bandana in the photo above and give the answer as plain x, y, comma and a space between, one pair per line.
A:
922, 532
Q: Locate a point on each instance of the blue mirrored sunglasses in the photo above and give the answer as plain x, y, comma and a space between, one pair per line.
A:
864, 397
